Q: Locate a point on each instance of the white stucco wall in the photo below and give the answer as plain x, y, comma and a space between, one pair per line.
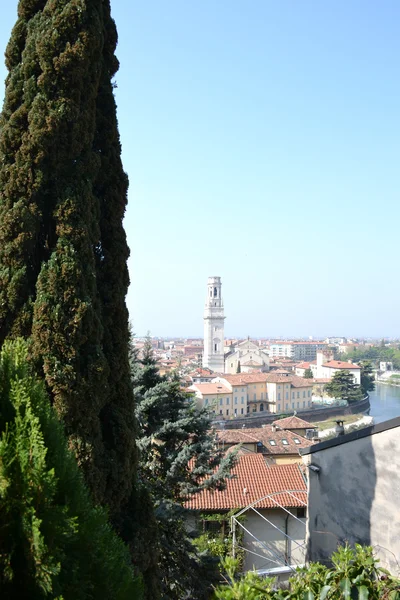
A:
272, 544
355, 496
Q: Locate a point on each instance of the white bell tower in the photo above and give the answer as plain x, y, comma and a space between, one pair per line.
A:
213, 354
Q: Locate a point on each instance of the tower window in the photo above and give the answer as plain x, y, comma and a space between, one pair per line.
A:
215, 348
215, 293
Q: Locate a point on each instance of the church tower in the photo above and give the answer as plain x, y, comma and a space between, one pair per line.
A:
213, 354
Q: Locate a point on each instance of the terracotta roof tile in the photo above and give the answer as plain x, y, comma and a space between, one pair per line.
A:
254, 479
265, 435
244, 378
339, 364
293, 423
210, 388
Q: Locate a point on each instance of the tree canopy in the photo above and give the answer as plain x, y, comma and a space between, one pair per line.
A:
308, 374
178, 458
342, 386
63, 250
54, 541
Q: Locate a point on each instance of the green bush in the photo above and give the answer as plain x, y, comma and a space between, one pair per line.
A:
355, 574
54, 542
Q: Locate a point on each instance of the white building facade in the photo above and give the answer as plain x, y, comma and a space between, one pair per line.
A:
213, 354
296, 350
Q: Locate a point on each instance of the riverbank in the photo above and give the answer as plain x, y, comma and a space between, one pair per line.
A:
365, 421
309, 414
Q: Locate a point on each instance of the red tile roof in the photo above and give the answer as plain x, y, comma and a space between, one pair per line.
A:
244, 378
265, 435
293, 423
210, 388
254, 479
306, 365
339, 364
294, 380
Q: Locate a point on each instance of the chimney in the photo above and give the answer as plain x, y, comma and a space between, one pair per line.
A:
339, 429
273, 427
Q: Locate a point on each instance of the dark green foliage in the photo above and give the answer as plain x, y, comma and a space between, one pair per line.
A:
308, 374
178, 457
375, 354
54, 542
355, 574
63, 251
342, 386
367, 377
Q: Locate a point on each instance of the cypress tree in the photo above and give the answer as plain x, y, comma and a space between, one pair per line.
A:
63, 250
54, 542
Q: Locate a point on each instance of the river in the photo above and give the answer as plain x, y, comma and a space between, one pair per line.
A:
385, 402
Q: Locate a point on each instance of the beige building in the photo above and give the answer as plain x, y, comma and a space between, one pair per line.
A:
246, 357
270, 392
218, 399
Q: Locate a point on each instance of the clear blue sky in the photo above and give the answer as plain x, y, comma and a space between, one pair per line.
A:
262, 143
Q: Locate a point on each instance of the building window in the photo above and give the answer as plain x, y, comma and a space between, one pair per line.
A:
227, 411
220, 412
292, 404
298, 405
235, 412
304, 394
261, 407
215, 347
253, 386
242, 400
287, 406
231, 364
248, 409
285, 442
279, 407
254, 408
296, 440
242, 389
241, 411
304, 403
262, 395
272, 442
215, 292
279, 396
254, 396
235, 400
287, 396
309, 393
279, 387
227, 400
292, 394
309, 403
205, 401
301, 513
221, 401
298, 394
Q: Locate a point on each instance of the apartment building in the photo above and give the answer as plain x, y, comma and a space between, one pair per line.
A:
305, 351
